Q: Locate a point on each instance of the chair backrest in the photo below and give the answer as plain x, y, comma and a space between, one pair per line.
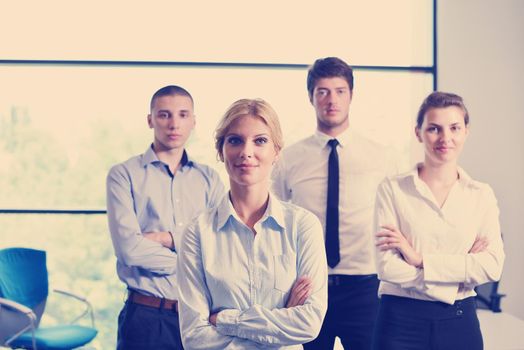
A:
488, 296
23, 276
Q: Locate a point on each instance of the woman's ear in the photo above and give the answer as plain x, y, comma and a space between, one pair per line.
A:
417, 133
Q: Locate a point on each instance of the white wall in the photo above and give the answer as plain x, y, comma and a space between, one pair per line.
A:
481, 57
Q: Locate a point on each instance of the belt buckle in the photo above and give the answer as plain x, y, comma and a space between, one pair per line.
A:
174, 306
169, 304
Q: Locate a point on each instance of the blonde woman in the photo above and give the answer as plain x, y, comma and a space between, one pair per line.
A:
251, 273
438, 236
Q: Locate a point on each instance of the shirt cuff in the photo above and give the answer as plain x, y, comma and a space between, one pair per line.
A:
444, 292
173, 244
227, 321
447, 268
177, 240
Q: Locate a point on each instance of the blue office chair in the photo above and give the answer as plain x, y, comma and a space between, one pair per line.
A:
23, 295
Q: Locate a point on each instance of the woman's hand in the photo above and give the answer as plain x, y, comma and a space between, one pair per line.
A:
213, 319
480, 245
299, 292
391, 238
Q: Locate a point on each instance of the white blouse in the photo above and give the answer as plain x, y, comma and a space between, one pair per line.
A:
443, 236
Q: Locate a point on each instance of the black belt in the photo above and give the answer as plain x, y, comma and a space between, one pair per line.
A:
342, 280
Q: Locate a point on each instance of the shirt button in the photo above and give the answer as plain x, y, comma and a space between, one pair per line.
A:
459, 312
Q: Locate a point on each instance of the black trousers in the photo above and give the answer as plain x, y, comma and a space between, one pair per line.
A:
143, 327
411, 324
351, 314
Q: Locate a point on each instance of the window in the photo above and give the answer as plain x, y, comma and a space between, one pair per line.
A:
74, 102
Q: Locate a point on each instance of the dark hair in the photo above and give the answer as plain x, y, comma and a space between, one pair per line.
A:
440, 99
170, 90
328, 67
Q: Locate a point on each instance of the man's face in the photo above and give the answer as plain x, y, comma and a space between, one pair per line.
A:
173, 120
331, 99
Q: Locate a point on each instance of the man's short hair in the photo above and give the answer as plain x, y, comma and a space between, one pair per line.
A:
328, 67
170, 90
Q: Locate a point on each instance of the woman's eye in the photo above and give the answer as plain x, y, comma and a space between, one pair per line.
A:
432, 129
234, 140
261, 140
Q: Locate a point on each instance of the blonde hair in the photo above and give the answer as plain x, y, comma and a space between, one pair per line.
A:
249, 107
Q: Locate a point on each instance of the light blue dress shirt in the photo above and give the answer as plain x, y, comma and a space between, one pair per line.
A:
144, 196
224, 267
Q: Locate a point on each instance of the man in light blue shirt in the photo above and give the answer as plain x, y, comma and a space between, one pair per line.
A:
150, 199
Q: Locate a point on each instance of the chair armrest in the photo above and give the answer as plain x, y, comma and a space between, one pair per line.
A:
89, 308
18, 307
13, 305
70, 294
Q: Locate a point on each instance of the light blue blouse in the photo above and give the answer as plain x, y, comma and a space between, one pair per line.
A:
224, 267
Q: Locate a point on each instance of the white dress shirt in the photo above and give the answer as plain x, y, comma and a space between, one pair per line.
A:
301, 174
224, 267
443, 236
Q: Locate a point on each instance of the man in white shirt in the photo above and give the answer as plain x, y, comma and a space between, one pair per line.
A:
335, 173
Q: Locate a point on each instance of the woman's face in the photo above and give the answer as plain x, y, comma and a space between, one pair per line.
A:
249, 152
443, 134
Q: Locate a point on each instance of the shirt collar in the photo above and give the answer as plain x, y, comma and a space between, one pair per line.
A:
150, 157
274, 212
464, 178
342, 138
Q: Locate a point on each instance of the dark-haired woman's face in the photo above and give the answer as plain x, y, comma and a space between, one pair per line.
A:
443, 134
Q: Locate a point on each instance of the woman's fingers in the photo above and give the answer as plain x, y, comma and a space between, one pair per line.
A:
480, 245
385, 233
387, 240
389, 227
388, 246
301, 283
299, 298
299, 292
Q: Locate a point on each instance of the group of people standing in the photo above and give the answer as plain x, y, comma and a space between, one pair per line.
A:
325, 238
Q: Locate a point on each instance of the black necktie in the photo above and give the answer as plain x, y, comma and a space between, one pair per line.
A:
332, 242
